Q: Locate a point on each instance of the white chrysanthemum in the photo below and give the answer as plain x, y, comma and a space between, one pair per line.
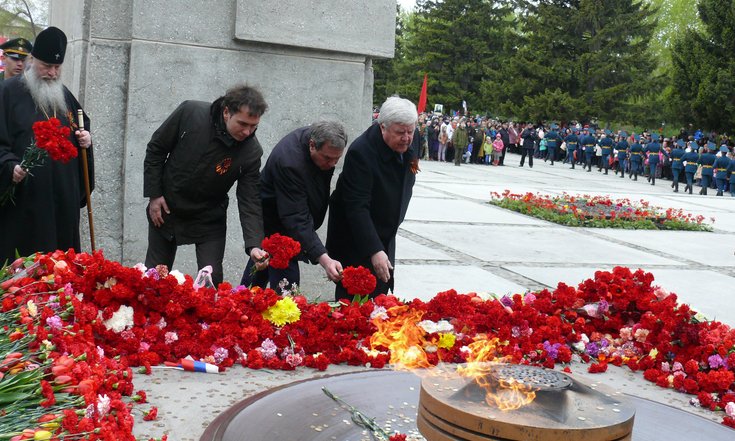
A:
433, 327
140, 267
103, 405
121, 319
178, 275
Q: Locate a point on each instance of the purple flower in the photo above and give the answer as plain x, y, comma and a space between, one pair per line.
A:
54, 322
593, 349
153, 274
268, 349
552, 350
506, 301
716, 361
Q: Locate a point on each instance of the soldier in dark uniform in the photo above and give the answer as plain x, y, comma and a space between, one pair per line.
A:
606, 144
552, 142
676, 165
653, 149
622, 147
690, 159
731, 174
572, 141
588, 142
14, 56
707, 161
720, 168
529, 139
636, 158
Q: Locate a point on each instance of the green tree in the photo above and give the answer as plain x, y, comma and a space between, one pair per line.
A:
675, 17
581, 59
22, 18
458, 43
703, 69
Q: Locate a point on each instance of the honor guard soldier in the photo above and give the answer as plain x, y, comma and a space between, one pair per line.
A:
690, 159
720, 168
731, 173
14, 56
636, 157
572, 141
707, 161
622, 147
552, 142
606, 145
588, 142
676, 163
653, 149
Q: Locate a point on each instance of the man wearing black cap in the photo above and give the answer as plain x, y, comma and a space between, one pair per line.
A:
46, 211
14, 56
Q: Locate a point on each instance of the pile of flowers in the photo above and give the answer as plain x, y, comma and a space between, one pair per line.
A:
121, 316
599, 212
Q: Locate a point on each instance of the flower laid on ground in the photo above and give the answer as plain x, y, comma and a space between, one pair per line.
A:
60, 306
51, 139
358, 281
281, 250
364, 421
599, 212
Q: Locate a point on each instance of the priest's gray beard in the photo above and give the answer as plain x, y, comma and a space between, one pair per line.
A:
47, 94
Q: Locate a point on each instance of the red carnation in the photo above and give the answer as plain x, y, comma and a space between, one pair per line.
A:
358, 281
52, 137
281, 250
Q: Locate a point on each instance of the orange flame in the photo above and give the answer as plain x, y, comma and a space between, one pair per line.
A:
403, 337
502, 393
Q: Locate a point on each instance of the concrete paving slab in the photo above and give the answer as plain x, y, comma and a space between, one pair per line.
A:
406, 249
705, 291
425, 281
460, 211
707, 248
520, 244
423, 191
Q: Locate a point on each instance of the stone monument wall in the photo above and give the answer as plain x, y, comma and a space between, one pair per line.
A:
131, 62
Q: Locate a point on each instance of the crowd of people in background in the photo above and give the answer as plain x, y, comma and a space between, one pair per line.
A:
697, 158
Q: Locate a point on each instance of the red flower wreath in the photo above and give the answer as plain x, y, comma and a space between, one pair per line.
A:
281, 250
358, 281
54, 138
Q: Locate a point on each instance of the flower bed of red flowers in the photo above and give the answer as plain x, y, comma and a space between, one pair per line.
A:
599, 212
120, 316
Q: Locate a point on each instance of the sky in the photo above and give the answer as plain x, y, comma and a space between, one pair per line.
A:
407, 5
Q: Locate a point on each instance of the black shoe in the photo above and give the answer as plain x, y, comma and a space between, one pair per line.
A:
719, 193
672, 185
649, 178
690, 190
605, 171
676, 190
635, 178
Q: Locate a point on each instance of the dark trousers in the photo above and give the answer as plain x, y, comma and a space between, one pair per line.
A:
675, 172
690, 179
605, 162
551, 155
502, 156
162, 251
721, 185
271, 276
706, 181
570, 156
588, 159
528, 152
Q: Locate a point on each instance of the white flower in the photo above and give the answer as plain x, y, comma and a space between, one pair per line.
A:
178, 275
121, 319
379, 312
32, 308
730, 409
140, 267
103, 405
434, 327
579, 346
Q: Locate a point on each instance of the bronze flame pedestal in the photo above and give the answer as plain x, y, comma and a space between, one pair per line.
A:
454, 408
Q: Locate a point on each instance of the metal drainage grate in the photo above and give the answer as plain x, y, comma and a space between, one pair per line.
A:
535, 377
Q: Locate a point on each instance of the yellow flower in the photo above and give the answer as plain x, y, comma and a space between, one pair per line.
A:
42, 435
32, 308
283, 312
653, 353
446, 340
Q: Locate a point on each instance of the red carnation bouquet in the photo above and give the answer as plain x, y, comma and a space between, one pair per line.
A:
51, 140
281, 250
358, 281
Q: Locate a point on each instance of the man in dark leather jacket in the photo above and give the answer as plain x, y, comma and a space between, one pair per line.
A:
191, 163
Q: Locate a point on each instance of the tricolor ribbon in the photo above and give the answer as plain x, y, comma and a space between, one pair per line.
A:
194, 366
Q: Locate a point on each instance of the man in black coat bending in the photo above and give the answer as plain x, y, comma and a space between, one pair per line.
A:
372, 194
294, 191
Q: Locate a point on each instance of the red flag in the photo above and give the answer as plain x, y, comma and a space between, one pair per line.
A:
422, 97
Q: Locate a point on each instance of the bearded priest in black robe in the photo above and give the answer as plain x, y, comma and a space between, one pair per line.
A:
45, 213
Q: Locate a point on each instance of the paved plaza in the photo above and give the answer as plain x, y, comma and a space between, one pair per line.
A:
452, 238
